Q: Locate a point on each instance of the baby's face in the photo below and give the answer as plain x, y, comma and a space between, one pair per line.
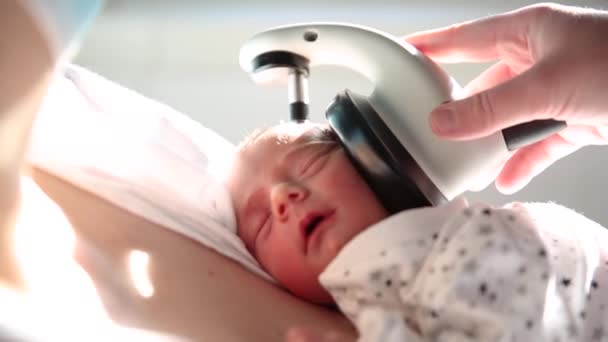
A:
298, 201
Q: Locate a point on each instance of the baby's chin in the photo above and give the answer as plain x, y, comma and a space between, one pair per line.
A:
306, 286
334, 243
331, 251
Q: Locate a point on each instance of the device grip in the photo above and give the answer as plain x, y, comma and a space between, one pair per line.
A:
528, 133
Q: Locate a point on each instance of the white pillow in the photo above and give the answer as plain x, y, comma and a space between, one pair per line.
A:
141, 155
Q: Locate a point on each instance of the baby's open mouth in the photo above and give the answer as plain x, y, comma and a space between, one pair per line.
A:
314, 223
312, 226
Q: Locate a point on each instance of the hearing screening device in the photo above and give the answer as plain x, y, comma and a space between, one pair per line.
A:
386, 134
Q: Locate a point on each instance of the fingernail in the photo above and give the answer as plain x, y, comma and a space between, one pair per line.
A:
444, 120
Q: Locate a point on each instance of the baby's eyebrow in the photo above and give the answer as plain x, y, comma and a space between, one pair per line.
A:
316, 134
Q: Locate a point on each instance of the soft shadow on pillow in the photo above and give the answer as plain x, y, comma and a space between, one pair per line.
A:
141, 155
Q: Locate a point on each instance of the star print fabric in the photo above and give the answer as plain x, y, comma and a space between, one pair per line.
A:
525, 272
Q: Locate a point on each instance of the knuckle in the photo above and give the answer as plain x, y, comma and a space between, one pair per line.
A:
542, 10
483, 110
454, 33
454, 29
540, 18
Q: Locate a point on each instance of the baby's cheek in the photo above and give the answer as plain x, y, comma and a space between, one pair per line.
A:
332, 243
353, 187
282, 260
300, 277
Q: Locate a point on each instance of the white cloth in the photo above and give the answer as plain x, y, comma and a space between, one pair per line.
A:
140, 155
526, 272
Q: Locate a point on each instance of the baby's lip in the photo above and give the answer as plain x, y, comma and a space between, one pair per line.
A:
312, 224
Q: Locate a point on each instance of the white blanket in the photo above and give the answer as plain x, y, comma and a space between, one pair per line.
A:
140, 155
528, 272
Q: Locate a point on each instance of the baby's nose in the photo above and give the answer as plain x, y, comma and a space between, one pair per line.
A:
284, 197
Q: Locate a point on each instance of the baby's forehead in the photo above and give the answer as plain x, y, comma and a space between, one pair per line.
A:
285, 135
261, 151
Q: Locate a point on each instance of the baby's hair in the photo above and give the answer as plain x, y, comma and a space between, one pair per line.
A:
326, 134
252, 137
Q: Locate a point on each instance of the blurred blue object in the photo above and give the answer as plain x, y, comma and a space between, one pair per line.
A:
63, 22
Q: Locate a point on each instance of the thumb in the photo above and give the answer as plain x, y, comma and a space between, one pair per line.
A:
526, 97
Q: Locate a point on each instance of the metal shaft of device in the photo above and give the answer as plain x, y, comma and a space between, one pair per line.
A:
297, 93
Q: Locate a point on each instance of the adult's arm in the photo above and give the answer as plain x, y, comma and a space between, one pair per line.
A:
26, 66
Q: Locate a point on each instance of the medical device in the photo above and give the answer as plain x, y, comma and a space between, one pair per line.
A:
386, 133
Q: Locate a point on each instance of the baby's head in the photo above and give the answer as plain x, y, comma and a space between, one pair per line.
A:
298, 201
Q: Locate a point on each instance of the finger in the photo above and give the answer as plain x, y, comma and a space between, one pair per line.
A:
493, 76
474, 41
489, 175
531, 160
532, 95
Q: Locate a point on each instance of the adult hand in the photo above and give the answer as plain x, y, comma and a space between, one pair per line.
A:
552, 64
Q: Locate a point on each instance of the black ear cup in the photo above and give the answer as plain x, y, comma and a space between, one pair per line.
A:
390, 171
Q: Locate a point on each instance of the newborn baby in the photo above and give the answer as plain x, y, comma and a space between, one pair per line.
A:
455, 273
289, 185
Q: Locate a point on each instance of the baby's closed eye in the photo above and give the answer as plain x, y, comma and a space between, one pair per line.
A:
263, 228
314, 162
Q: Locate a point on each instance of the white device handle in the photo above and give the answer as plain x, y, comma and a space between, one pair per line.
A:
407, 86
